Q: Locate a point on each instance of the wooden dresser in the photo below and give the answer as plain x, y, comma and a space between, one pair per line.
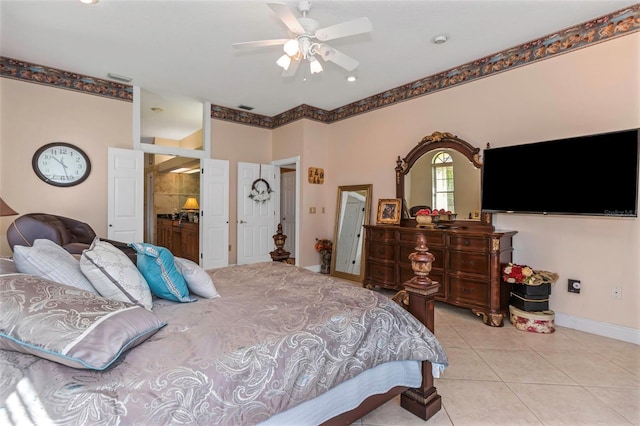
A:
467, 265
182, 239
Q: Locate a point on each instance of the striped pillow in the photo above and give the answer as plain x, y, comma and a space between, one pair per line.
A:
48, 260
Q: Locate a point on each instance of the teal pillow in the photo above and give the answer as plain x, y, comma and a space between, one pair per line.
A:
158, 267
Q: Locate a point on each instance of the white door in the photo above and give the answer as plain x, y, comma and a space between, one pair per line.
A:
214, 213
125, 193
256, 218
288, 210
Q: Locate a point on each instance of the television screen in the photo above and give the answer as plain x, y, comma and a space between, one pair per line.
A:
589, 175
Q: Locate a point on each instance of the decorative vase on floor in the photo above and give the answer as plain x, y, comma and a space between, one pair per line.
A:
325, 266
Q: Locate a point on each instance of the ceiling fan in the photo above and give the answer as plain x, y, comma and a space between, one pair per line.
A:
306, 42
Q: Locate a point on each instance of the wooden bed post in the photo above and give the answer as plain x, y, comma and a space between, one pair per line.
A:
424, 401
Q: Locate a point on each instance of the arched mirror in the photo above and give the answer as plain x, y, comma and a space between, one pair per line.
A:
442, 172
352, 213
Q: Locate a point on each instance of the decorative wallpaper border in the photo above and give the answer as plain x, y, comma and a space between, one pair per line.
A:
616, 24
33, 73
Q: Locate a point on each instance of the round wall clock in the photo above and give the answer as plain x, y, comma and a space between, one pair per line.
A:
61, 164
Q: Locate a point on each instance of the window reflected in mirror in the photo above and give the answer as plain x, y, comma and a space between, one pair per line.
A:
443, 179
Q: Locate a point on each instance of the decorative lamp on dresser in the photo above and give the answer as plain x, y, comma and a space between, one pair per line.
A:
468, 251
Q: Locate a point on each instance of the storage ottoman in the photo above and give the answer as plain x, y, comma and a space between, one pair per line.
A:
531, 290
529, 302
536, 322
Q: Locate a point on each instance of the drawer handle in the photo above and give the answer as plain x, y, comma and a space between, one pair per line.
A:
380, 273
467, 290
380, 250
466, 242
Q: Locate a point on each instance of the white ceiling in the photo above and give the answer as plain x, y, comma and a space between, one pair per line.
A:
184, 47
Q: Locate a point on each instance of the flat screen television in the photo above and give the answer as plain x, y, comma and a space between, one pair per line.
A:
595, 175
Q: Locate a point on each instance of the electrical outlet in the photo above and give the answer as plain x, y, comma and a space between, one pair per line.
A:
574, 286
616, 292
312, 210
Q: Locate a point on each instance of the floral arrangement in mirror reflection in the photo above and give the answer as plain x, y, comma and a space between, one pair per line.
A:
324, 247
434, 212
434, 215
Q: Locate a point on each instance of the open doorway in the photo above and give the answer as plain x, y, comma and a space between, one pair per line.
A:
289, 204
172, 198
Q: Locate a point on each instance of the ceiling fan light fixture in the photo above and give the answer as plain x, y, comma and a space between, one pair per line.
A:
306, 39
314, 65
292, 47
284, 61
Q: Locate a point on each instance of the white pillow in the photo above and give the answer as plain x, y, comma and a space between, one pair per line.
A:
114, 275
198, 281
48, 260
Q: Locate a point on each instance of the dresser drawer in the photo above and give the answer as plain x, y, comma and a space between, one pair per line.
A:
468, 292
434, 238
406, 250
460, 242
381, 234
469, 263
381, 251
381, 273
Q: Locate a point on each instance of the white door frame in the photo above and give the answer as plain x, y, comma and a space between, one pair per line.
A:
283, 163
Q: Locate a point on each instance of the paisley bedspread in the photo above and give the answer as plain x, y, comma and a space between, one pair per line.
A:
278, 336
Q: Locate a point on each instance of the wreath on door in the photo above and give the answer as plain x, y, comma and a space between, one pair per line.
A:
260, 191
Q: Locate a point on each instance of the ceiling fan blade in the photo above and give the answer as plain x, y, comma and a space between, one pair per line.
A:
260, 43
286, 16
293, 67
330, 54
345, 29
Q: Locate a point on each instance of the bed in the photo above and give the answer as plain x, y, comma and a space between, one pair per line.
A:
282, 345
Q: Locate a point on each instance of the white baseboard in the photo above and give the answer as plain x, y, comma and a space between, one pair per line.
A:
313, 268
605, 329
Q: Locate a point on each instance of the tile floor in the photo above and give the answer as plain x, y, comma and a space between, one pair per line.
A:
504, 376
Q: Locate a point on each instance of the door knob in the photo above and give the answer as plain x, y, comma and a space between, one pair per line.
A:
242, 221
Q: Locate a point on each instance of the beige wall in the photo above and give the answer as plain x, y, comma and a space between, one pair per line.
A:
34, 115
308, 139
236, 143
322, 197
591, 90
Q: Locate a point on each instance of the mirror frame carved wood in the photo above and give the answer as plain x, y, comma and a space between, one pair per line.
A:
439, 140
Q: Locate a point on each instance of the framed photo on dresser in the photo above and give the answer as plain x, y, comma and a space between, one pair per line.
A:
389, 211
